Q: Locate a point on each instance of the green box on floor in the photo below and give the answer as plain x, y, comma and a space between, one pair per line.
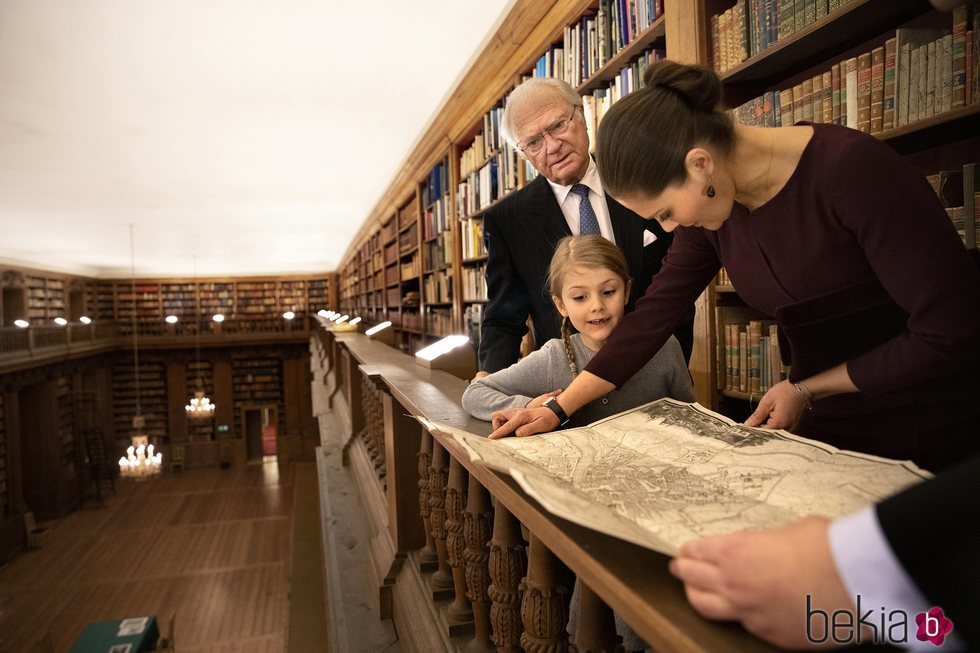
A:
132, 635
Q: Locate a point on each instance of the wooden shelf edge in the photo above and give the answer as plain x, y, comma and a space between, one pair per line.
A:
610, 70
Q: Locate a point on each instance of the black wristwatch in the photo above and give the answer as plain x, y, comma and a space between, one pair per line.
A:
552, 403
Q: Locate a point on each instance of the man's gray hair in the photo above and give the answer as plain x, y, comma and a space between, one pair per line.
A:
529, 93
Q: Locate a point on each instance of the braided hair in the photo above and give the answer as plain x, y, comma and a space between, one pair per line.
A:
587, 252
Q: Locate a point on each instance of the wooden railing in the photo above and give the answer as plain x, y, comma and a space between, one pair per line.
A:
461, 553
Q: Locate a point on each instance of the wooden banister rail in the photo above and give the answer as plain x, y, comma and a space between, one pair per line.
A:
488, 588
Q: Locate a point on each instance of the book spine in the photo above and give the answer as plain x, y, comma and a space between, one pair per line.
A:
932, 81
864, 92
826, 106
807, 114
835, 93
944, 70
799, 14
914, 88
816, 98
785, 108
787, 24
888, 99
798, 103
958, 72
849, 92
877, 88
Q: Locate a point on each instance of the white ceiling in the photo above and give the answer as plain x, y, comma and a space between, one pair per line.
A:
256, 134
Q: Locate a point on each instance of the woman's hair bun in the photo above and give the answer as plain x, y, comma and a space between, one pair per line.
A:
698, 86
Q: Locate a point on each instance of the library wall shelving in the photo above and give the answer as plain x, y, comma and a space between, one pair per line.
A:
4, 493
763, 58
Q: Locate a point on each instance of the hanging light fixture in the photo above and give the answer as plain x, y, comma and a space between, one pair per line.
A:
140, 461
200, 406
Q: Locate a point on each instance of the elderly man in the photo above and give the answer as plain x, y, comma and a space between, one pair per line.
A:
543, 119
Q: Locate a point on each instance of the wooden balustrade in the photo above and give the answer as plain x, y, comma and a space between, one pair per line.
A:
461, 525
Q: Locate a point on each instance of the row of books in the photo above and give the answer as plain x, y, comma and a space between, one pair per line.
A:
437, 184
439, 321
723, 279
959, 193
750, 360
410, 268
471, 235
488, 142
438, 252
629, 79
596, 38
893, 85
475, 283
438, 287
753, 26
484, 186
435, 218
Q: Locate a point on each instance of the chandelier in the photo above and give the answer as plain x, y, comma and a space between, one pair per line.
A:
199, 407
140, 461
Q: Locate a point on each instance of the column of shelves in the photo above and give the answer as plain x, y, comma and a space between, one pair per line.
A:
438, 250
66, 427
256, 307
409, 320
180, 299
153, 397
292, 296
144, 302
215, 297
801, 72
257, 381
198, 376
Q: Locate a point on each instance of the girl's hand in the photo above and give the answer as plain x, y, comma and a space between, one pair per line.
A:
538, 401
780, 408
523, 422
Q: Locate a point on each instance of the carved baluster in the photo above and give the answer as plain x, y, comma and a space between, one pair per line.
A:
508, 564
544, 609
427, 554
455, 500
477, 527
595, 631
443, 577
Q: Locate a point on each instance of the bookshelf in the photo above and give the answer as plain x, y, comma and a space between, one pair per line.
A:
66, 427
257, 381
760, 79
152, 401
540, 38
200, 430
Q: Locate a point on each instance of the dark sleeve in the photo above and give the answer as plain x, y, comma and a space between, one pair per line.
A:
689, 266
505, 315
653, 256
920, 261
934, 530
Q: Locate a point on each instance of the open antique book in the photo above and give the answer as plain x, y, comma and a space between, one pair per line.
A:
667, 472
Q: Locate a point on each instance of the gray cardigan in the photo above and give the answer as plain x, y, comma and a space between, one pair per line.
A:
664, 375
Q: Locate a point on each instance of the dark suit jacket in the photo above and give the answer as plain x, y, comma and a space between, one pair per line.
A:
934, 530
521, 234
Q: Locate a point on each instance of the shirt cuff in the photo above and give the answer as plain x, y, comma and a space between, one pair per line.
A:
876, 579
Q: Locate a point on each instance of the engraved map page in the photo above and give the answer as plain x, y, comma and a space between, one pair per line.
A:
668, 471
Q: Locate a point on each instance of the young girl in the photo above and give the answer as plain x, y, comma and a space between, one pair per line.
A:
589, 283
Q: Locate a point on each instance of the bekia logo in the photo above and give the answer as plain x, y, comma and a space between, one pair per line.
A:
874, 626
933, 626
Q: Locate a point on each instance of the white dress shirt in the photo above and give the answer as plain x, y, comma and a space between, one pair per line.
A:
569, 203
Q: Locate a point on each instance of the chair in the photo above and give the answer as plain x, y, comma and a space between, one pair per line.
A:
177, 458
36, 536
166, 642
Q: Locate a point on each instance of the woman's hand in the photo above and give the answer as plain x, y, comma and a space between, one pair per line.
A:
539, 401
780, 408
523, 422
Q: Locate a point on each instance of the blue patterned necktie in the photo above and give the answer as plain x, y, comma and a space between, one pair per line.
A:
588, 224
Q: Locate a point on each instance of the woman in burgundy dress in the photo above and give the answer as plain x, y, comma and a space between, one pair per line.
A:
826, 229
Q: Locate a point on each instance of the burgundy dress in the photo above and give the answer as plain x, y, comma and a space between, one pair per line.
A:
858, 262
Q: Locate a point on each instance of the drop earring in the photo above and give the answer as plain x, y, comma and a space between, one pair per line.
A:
710, 190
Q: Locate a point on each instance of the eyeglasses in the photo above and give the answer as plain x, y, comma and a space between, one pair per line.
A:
560, 127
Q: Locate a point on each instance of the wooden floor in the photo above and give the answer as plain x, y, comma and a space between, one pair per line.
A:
212, 545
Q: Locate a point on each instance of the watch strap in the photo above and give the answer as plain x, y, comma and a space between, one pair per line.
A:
556, 408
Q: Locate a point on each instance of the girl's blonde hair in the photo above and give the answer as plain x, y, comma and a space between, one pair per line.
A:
586, 252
